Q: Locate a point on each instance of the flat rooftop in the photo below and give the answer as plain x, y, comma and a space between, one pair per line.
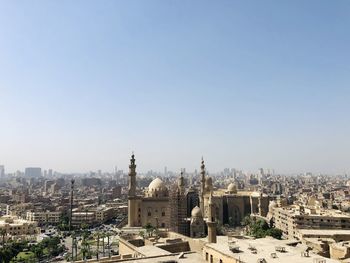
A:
264, 248
188, 257
323, 232
151, 251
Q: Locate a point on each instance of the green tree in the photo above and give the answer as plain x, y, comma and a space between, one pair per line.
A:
275, 233
259, 228
149, 229
38, 251
97, 236
85, 248
103, 235
63, 224
3, 234
142, 234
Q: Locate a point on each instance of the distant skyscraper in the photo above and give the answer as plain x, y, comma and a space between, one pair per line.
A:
32, 172
2, 171
261, 171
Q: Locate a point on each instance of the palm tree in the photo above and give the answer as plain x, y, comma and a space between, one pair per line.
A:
3, 234
97, 234
108, 246
84, 248
149, 229
103, 235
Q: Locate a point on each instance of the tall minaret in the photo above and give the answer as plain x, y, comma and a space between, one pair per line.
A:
132, 193
202, 190
181, 183
211, 223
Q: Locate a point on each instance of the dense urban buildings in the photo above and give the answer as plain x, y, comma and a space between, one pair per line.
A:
238, 112
231, 216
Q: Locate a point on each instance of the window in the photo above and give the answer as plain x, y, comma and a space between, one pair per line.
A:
163, 213
149, 213
211, 259
220, 260
206, 256
163, 225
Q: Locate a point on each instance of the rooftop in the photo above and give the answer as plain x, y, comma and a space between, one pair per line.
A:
265, 248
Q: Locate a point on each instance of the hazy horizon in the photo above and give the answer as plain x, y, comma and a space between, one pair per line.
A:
246, 84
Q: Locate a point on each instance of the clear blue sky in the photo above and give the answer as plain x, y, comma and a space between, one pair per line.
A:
246, 84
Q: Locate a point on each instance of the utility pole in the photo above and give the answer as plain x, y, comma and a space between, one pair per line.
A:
71, 204
71, 217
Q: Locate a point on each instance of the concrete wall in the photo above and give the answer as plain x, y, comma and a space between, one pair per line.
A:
126, 248
176, 247
339, 251
195, 244
213, 256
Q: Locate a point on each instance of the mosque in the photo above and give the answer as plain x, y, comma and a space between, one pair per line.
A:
190, 211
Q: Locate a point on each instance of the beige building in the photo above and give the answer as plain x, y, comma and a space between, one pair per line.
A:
44, 217
173, 247
154, 206
79, 218
17, 228
291, 218
103, 214
97, 215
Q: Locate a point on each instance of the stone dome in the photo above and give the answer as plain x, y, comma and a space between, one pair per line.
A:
196, 212
157, 188
232, 189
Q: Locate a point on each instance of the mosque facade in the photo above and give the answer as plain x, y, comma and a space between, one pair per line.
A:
190, 211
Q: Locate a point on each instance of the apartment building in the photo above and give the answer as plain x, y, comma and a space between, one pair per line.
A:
291, 218
44, 217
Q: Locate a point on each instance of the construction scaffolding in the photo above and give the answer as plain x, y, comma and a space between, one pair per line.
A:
178, 211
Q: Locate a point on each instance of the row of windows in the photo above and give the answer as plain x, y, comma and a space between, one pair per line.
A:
150, 214
211, 258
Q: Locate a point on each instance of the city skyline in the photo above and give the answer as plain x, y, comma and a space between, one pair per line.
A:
245, 84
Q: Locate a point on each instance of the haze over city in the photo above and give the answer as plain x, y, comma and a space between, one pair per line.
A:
246, 84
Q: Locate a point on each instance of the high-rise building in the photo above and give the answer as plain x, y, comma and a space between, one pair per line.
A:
32, 172
2, 171
117, 191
